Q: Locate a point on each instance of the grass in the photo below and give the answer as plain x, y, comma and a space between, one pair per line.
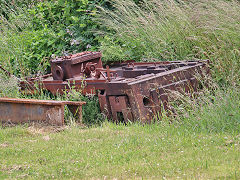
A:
203, 144
13, 38
117, 151
211, 111
175, 30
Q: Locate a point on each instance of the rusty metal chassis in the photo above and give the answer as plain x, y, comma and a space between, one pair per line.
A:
133, 99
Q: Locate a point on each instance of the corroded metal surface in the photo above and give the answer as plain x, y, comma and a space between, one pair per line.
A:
130, 91
74, 65
30, 110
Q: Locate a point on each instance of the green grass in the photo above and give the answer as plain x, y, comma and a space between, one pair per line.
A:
202, 144
116, 151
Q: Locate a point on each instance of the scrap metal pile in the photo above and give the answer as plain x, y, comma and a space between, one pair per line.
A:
128, 91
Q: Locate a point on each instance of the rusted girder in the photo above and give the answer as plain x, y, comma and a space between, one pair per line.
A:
30, 110
127, 91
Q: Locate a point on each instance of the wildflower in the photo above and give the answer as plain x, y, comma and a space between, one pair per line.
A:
88, 46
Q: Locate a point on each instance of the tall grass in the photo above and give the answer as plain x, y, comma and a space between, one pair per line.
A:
210, 113
8, 86
13, 38
176, 30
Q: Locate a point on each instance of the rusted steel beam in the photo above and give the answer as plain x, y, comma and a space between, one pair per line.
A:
30, 110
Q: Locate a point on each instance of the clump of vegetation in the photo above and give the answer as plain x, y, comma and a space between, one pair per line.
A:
175, 30
8, 86
13, 40
207, 111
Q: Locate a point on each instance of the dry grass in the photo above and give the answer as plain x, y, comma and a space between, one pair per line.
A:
40, 129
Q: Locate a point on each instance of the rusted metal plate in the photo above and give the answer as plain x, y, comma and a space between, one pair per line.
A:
29, 110
130, 91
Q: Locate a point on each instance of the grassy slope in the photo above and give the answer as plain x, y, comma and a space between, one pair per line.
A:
113, 151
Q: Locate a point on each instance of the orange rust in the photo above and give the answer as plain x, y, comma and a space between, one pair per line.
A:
14, 110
